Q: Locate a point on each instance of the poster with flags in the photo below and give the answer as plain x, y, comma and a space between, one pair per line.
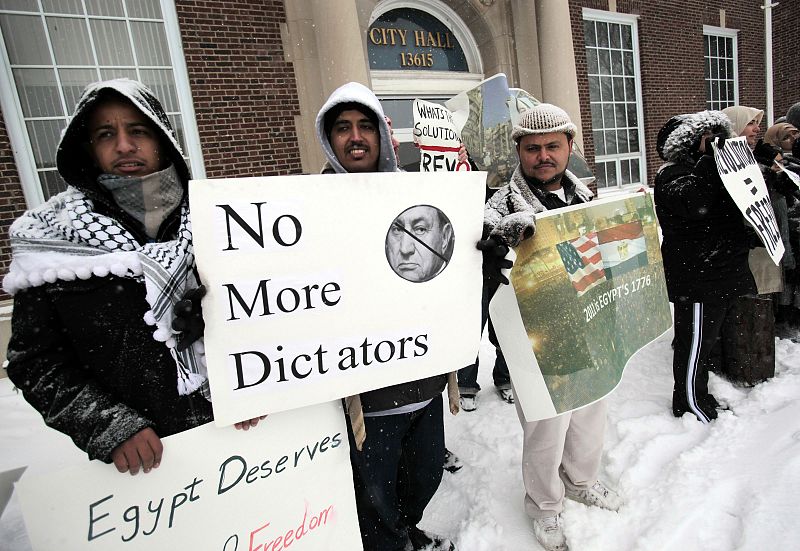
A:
587, 292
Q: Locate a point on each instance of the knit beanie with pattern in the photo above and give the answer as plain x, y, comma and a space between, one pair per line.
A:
544, 119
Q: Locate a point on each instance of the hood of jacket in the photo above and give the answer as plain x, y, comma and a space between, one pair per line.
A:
741, 116
73, 160
682, 142
357, 93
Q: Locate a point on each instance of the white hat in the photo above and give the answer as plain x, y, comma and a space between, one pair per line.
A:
543, 119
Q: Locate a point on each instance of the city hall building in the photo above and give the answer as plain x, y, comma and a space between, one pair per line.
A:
242, 80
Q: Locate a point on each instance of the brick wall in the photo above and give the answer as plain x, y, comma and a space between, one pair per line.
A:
786, 56
245, 94
12, 202
671, 59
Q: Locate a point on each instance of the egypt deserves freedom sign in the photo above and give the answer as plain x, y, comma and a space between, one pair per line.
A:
587, 292
325, 286
742, 177
284, 483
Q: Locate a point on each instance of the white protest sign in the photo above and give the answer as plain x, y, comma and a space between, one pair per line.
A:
794, 177
286, 482
325, 286
742, 178
437, 138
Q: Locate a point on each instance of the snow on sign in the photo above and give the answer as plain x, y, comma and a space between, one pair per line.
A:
742, 178
437, 138
325, 286
286, 482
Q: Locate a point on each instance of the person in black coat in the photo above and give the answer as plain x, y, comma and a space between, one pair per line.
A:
96, 273
705, 251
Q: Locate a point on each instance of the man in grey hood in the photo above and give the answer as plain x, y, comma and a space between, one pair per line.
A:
396, 433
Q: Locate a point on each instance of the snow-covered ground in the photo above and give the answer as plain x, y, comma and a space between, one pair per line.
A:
728, 486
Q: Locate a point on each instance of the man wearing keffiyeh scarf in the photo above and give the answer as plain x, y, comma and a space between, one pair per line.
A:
96, 272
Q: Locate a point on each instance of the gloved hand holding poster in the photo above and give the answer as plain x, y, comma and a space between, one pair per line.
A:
437, 138
587, 292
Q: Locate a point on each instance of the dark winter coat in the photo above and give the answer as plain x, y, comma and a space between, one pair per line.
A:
706, 243
80, 350
405, 393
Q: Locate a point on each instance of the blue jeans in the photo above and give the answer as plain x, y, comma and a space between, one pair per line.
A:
396, 474
468, 376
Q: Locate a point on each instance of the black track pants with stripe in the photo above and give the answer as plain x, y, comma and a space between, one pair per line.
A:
697, 326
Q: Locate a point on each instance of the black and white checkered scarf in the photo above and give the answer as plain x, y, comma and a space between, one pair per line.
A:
64, 239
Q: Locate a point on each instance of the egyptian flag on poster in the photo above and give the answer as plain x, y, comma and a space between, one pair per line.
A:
583, 262
623, 248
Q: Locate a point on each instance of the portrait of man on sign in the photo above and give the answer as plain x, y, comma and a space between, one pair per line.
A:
419, 243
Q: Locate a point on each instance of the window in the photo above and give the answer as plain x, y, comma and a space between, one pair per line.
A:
721, 71
612, 59
54, 48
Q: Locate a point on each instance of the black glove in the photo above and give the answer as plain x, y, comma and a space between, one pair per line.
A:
494, 260
765, 153
189, 317
706, 168
719, 138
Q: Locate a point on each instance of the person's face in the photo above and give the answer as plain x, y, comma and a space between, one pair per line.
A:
417, 242
544, 157
750, 132
791, 136
122, 140
355, 141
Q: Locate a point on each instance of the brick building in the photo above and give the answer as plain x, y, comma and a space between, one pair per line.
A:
243, 79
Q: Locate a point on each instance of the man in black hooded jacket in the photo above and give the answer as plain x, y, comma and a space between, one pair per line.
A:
705, 251
96, 273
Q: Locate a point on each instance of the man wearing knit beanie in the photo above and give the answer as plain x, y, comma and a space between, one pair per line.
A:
560, 456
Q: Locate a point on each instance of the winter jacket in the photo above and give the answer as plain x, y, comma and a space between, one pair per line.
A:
80, 349
510, 213
706, 244
405, 393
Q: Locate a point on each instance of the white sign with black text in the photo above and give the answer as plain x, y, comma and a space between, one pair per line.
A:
325, 286
743, 179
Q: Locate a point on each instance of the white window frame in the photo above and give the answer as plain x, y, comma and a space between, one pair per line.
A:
430, 83
632, 20
18, 133
709, 30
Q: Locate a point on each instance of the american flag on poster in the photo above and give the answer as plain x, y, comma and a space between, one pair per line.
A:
583, 262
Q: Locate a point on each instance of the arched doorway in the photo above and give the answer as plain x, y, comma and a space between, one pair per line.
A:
418, 50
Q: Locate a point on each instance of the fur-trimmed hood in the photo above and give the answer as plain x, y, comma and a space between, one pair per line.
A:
682, 142
356, 93
73, 160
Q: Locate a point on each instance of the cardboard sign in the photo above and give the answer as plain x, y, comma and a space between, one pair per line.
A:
437, 138
286, 482
742, 177
325, 286
587, 292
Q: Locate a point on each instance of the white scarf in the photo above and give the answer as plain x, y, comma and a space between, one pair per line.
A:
64, 239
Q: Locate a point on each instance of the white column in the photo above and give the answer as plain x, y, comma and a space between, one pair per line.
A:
557, 59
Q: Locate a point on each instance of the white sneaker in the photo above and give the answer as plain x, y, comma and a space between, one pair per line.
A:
549, 532
598, 495
506, 395
468, 402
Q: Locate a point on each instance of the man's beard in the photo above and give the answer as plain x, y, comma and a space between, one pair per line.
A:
541, 183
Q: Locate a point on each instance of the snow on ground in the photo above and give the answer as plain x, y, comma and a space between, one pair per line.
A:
728, 486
